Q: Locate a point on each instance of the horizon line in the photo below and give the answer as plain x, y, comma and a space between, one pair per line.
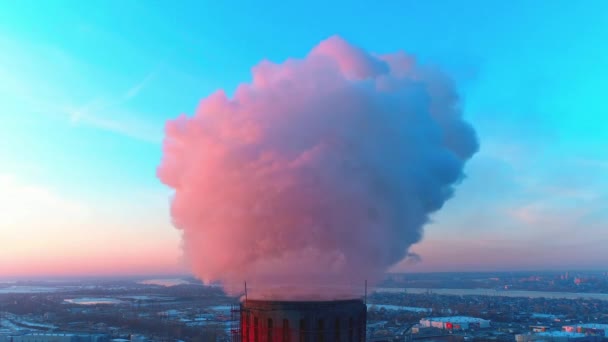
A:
90, 277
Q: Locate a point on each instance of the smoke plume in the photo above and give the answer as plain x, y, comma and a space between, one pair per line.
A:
321, 172
412, 258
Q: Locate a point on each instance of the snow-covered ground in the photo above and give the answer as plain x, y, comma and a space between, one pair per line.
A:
147, 298
165, 282
221, 308
13, 323
8, 324
27, 289
35, 325
94, 301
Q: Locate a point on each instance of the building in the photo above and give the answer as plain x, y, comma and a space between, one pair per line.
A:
588, 329
308, 321
539, 328
455, 323
556, 336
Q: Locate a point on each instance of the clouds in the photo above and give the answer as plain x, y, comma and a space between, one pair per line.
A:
48, 80
111, 117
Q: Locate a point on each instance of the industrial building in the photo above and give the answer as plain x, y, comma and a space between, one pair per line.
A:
305, 321
588, 329
454, 323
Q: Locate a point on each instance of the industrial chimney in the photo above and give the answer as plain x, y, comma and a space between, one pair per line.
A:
303, 321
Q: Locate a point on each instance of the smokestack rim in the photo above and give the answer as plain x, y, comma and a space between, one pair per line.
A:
297, 304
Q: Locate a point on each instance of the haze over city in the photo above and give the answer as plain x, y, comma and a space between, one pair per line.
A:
87, 91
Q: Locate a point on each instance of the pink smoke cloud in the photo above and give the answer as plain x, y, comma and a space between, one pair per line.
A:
319, 174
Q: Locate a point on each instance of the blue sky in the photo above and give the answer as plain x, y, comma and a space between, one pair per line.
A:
86, 87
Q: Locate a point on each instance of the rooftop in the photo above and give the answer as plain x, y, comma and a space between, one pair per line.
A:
560, 334
456, 319
593, 326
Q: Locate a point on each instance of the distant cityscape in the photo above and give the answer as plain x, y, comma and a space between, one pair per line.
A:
567, 281
514, 306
